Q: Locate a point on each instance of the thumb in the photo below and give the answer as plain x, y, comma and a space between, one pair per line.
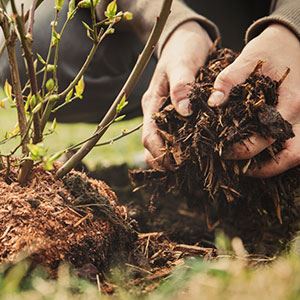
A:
234, 74
180, 80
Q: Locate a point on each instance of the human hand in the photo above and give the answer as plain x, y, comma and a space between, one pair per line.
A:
279, 48
185, 51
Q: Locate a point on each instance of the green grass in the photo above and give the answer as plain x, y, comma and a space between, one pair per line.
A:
225, 278
128, 149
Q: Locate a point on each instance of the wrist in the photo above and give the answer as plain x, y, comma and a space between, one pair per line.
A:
282, 34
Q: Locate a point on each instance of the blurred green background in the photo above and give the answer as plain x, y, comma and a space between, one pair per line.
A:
126, 150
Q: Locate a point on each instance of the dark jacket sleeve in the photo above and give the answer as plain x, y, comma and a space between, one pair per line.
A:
146, 11
285, 12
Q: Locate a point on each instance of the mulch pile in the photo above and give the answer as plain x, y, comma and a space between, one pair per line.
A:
79, 221
257, 210
76, 220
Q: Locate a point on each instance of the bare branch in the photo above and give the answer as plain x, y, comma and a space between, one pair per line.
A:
31, 16
26, 42
10, 38
125, 91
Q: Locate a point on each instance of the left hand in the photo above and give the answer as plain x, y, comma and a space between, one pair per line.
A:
279, 48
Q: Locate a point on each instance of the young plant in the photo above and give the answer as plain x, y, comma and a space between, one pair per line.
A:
34, 103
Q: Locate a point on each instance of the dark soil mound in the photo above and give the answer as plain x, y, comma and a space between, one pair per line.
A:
260, 211
76, 220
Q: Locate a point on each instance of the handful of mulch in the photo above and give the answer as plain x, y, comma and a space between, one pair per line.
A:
194, 145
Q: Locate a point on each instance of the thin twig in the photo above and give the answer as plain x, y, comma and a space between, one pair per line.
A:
10, 38
31, 17
109, 142
26, 42
120, 136
125, 91
83, 69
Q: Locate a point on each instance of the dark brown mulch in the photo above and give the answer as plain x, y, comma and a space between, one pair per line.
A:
76, 220
260, 211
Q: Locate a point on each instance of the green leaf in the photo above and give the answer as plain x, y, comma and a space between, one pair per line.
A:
128, 16
32, 101
41, 59
2, 103
84, 4
79, 88
8, 90
118, 119
87, 27
27, 103
87, 3
53, 125
59, 4
37, 151
50, 84
121, 104
48, 165
111, 9
50, 68
37, 108
110, 31
72, 9
55, 38
69, 96
48, 161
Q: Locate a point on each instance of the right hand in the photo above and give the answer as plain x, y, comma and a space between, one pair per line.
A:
184, 52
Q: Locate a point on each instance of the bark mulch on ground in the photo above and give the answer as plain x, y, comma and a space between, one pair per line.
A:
76, 220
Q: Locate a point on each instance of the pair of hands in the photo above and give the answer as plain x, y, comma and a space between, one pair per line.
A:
187, 49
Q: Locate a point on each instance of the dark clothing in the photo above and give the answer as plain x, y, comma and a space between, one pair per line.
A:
116, 56
232, 17
106, 75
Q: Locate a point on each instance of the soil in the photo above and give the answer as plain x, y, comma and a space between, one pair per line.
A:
260, 211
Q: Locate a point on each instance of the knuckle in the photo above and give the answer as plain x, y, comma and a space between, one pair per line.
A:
179, 88
148, 158
146, 99
224, 78
146, 140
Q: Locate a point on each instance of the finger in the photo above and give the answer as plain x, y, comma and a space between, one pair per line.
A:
180, 80
234, 74
283, 161
151, 161
248, 148
151, 139
151, 103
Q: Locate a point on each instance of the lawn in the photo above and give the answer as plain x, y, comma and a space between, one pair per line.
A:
128, 149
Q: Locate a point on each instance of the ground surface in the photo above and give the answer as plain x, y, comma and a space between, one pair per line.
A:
227, 277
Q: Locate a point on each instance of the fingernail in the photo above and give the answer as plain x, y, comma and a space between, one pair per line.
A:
184, 107
216, 98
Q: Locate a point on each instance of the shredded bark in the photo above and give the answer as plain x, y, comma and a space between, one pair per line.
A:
76, 221
194, 147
